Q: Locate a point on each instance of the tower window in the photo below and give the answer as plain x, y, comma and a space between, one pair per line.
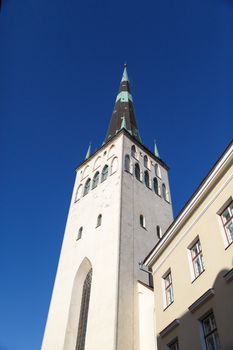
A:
147, 179
87, 187
99, 220
80, 231
104, 174
127, 163
133, 151
78, 193
137, 171
142, 221
146, 161
83, 317
156, 185
96, 180
164, 192
174, 345
114, 165
158, 231
157, 171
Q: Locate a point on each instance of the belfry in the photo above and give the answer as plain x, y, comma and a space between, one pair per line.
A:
119, 208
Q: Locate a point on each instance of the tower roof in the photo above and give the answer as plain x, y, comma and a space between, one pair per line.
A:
123, 115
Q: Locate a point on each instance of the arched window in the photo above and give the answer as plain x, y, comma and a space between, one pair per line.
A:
164, 191
156, 185
133, 151
142, 221
78, 193
127, 163
104, 174
114, 165
99, 220
83, 316
87, 187
157, 171
147, 179
80, 231
96, 180
146, 161
158, 231
111, 151
137, 171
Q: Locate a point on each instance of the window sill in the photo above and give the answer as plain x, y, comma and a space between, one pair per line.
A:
168, 306
228, 245
198, 276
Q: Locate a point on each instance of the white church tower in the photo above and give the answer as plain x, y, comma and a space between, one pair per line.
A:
120, 206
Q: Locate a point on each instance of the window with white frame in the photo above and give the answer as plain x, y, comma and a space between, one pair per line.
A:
197, 258
174, 345
168, 289
210, 332
227, 221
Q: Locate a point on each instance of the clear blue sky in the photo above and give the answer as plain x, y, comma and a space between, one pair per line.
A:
60, 68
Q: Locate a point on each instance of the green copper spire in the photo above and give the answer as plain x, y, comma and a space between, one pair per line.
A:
123, 116
123, 123
156, 151
88, 152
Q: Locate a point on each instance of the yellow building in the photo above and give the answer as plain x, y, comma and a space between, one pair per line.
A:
192, 268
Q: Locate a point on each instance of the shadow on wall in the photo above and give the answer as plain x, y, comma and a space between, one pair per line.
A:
188, 329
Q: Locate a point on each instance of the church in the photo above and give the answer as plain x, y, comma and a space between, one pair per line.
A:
120, 216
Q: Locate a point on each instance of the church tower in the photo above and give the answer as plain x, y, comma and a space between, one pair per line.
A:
119, 208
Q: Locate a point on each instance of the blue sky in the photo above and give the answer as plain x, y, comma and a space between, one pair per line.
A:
60, 68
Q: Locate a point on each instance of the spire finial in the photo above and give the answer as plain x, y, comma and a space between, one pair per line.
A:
156, 151
125, 75
88, 152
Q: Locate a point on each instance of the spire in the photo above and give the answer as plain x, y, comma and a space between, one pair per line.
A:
156, 151
123, 115
88, 152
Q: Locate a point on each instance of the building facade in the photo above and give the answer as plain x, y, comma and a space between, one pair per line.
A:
119, 209
192, 268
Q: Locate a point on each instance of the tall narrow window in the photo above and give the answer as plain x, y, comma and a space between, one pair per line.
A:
137, 171
168, 289
99, 220
157, 170
87, 187
133, 151
96, 180
83, 317
174, 345
146, 161
104, 173
210, 333
227, 220
197, 258
156, 185
158, 231
80, 231
142, 221
164, 191
127, 163
147, 179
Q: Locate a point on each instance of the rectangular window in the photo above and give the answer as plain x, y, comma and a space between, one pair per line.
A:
197, 258
227, 220
210, 333
168, 289
174, 345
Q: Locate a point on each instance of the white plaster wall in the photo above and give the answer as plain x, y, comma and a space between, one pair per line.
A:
113, 250
147, 339
100, 246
